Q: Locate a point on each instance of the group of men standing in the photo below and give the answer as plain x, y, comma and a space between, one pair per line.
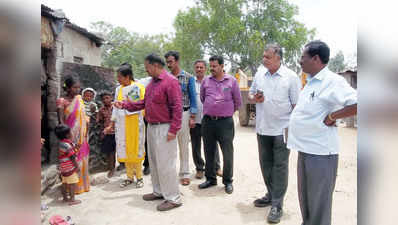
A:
172, 113
304, 120
179, 104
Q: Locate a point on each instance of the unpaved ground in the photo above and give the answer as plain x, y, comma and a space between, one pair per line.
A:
108, 204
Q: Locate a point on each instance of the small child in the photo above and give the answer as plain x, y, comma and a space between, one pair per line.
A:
67, 163
107, 130
90, 106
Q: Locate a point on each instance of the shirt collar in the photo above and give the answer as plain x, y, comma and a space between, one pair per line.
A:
278, 72
162, 75
321, 74
182, 73
225, 77
196, 78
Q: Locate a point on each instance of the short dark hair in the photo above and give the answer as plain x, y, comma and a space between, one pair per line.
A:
105, 93
319, 48
69, 82
200, 61
154, 58
125, 70
61, 131
175, 54
217, 58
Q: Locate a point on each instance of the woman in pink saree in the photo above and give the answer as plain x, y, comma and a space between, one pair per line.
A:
71, 112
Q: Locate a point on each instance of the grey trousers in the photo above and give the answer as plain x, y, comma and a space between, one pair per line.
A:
162, 155
183, 145
316, 179
274, 162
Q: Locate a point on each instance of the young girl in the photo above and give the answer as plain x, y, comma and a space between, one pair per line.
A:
129, 127
71, 113
67, 164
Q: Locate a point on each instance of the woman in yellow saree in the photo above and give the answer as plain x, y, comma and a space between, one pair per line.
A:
71, 112
129, 127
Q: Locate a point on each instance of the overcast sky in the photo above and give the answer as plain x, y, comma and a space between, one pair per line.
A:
334, 20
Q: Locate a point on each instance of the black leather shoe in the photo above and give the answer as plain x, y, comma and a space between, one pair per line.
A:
263, 202
207, 184
147, 170
229, 188
275, 215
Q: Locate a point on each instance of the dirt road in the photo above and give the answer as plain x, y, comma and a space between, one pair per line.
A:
107, 204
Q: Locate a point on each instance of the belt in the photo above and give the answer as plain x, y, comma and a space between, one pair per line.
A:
157, 123
217, 117
186, 108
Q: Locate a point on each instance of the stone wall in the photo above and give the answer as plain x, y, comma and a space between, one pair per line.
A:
98, 78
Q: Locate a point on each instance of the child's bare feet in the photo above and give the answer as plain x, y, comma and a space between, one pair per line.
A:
110, 173
74, 202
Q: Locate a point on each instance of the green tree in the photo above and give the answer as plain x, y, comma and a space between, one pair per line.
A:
336, 63
239, 30
123, 46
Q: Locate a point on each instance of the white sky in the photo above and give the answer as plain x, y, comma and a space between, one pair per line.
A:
334, 20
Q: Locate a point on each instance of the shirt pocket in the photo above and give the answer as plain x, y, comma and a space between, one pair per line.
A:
281, 93
158, 96
227, 93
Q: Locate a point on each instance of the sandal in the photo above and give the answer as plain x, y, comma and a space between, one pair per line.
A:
58, 220
185, 181
74, 202
140, 183
126, 183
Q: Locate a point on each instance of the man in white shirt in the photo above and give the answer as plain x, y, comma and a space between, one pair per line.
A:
275, 90
312, 132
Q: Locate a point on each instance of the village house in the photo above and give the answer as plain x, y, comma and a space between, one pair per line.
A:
351, 76
66, 49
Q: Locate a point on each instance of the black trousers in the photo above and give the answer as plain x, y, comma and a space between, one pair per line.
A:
221, 131
274, 163
196, 143
146, 161
316, 179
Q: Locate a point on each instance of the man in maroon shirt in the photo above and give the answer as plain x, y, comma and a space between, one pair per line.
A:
163, 111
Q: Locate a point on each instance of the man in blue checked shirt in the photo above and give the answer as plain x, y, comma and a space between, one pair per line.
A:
187, 83
312, 132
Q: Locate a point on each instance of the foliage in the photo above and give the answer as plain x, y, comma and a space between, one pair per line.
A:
123, 46
239, 30
337, 64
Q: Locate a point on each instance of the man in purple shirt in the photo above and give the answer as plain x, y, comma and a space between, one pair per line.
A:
163, 111
220, 96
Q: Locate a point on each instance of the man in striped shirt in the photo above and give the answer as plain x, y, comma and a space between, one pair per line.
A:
187, 84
